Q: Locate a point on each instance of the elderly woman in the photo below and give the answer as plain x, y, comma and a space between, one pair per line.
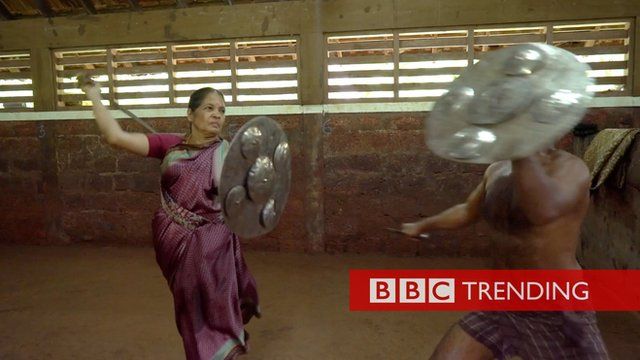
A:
214, 293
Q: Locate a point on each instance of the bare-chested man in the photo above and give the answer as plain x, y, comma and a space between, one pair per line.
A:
540, 203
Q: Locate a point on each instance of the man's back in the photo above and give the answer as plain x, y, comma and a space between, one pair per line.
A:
516, 197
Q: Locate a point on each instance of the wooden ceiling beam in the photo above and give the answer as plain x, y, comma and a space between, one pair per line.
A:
135, 5
88, 5
5, 14
44, 8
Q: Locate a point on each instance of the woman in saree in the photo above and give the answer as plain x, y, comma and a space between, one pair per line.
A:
214, 293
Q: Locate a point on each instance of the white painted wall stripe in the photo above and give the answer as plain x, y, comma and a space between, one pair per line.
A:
613, 102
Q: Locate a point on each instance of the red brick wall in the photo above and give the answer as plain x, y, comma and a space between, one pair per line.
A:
379, 173
60, 183
22, 183
101, 194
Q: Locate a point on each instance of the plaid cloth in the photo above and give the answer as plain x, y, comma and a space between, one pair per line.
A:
605, 152
537, 335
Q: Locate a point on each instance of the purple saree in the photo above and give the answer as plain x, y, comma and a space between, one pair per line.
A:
214, 293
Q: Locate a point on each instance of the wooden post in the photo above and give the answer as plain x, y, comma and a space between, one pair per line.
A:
45, 99
634, 57
170, 79
312, 88
44, 79
233, 63
396, 65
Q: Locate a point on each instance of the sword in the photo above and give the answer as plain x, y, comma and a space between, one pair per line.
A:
83, 78
419, 236
133, 116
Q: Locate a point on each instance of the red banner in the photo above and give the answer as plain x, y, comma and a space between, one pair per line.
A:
491, 290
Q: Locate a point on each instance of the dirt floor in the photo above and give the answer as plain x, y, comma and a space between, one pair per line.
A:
90, 302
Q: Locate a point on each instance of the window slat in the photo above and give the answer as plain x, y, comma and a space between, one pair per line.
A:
434, 56
277, 77
364, 100
423, 86
21, 63
202, 80
371, 59
22, 75
438, 42
267, 91
16, 99
143, 82
80, 60
420, 98
432, 71
365, 45
266, 64
612, 93
284, 50
613, 80
142, 95
608, 65
509, 39
349, 88
201, 66
75, 72
598, 50
17, 87
360, 73
590, 35
72, 97
269, 102
125, 58
187, 93
147, 69
201, 54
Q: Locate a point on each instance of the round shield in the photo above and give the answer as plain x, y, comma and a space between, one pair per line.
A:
256, 176
514, 102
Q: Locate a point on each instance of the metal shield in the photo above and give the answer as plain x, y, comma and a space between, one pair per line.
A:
514, 102
256, 177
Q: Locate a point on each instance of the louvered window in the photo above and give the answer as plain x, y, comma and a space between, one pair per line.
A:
247, 72
605, 48
16, 91
420, 65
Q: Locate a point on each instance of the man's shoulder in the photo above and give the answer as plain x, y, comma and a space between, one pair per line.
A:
568, 158
496, 166
573, 167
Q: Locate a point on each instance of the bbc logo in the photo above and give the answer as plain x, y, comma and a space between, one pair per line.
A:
411, 291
